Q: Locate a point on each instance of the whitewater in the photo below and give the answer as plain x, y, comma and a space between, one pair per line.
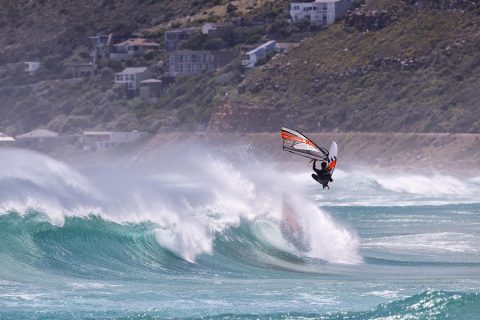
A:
221, 233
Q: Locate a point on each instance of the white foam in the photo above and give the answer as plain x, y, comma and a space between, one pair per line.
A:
436, 185
362, 187
191, 197
384, 293
92, 285
434, 243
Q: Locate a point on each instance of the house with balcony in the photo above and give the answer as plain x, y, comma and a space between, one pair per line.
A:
260, 52
191, 62
131, 78
131, 48
319, 12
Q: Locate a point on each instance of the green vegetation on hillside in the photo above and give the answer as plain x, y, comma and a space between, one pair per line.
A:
52, 30
421, 73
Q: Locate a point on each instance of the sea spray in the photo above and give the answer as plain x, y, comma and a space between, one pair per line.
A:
191, 199
247, 241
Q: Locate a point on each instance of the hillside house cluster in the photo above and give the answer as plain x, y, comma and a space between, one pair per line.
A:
319, 12
43, 139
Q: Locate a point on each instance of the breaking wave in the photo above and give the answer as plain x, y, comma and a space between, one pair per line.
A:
172, 211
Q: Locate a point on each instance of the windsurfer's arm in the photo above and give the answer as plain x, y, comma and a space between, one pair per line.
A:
314, 163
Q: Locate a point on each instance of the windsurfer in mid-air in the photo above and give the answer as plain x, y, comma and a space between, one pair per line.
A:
322, 176
297, 143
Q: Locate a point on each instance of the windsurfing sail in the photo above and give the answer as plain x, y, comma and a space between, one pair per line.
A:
332, 157
297, 143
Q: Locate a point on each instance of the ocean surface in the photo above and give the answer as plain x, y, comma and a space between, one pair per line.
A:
212, 235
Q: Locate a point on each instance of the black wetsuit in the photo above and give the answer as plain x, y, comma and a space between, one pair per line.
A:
322, 176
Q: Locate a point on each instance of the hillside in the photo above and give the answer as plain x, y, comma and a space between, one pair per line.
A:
419, 73
55, 29
55, 32
391, 66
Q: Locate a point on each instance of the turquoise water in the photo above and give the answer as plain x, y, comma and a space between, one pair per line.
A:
224, 240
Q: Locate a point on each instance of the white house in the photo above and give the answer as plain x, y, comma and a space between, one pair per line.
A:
31, 66
320, 12
131, 77
253, 56
103, 140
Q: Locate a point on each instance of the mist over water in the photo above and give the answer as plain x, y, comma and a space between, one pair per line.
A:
199, 231
190, 198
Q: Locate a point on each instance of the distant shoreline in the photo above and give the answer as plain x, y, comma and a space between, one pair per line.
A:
449, 153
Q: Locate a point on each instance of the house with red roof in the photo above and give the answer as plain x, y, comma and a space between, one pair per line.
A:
131, 48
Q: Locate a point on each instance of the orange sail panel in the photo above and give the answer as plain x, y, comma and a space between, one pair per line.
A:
298, 143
